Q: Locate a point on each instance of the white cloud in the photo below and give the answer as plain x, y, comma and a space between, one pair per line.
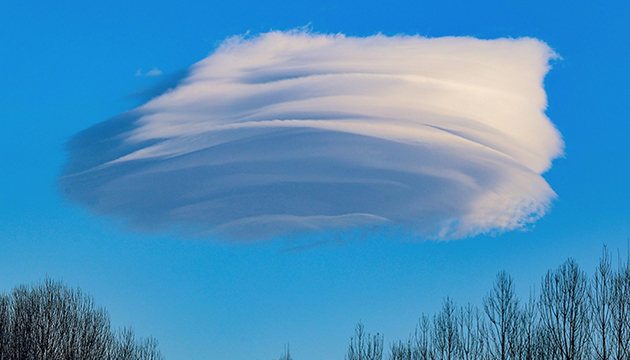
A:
292, 132
152, 72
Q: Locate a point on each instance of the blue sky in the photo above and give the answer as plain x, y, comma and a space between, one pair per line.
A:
68, 65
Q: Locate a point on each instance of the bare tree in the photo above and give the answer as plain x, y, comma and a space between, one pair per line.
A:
149, 350
544, 347
501, 307
401, 350
422, 338
365, 346
418, 347
286, 355
49, 321
5, 327
564, 310
574, 318
527, 344
127, 347
23, 343
472, 332
620, 308
445, 334
601, 301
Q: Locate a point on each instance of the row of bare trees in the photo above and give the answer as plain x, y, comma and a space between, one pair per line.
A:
573, 318
49, 321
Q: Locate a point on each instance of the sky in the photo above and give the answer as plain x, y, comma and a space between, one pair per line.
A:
68, 66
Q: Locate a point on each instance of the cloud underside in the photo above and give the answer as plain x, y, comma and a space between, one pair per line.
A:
291, 132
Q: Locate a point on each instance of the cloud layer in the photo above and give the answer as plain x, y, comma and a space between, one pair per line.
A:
292, 132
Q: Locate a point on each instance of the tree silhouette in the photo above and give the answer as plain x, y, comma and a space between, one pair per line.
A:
573, 318
445, 334
621, 312
365, 346
601, 302
286, 355
564, 310
49, 321
501, 307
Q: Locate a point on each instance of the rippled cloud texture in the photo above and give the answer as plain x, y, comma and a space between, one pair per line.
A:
293, 132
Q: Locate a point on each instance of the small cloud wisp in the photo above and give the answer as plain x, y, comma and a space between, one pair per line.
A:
152, 72
294, 132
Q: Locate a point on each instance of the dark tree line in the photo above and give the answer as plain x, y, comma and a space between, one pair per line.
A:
49, 321
575, 317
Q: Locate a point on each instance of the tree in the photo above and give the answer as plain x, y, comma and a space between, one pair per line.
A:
564, 310
620, 309
472, 333
49, 321
5, 326
544, 348
364, 346
527, 344
286, 355
445, 332
601, 302
422, 338
501, 307
403, 351
418, 347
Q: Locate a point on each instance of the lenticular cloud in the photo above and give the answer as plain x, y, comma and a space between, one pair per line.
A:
293, 132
